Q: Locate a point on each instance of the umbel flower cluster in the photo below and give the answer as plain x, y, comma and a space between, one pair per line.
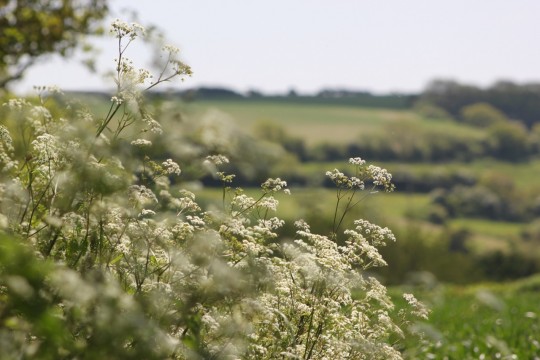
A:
101, 257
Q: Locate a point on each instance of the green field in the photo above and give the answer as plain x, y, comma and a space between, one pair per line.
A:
486, 321
324, 123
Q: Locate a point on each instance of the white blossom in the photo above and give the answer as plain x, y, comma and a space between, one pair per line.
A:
171, 167
141, 143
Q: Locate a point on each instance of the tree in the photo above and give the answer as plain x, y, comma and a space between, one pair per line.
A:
509, 141
451, 96
482, 115
30, 29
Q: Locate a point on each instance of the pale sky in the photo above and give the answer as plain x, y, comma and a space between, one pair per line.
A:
375, 45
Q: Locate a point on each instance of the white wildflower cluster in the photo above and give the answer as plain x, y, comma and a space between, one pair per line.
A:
381, 177
204, 283
46, 149
117, 100
302, 225
129, 76
313, 311
183, 204
269, 203
141, 196
377, 235
357, 161
243, 202
6, 150
362, 243
171, 49
225, 178
16, 104
419, 309
196, 221
343, 181
217, 159
122, 29
171, 167
151, 124
40, 112
275, 185
327, 252
361, 252
243, 240
141, 143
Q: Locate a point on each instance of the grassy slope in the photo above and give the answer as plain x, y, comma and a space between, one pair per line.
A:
325, 123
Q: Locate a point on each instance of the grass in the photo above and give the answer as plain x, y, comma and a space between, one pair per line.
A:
487, 321
325, 123
500, 229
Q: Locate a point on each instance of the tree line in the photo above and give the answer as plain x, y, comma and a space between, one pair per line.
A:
518, 101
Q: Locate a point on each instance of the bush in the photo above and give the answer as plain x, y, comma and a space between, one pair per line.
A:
49, 311
411, 143
509, 141
482, 115
498, 266
421, 251
431, 111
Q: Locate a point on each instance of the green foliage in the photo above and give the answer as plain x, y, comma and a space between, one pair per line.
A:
48, 311
422, 251
482, 115
30, 29
494, 196
509, 141
520, 102
270, 131
431, 111
406, 142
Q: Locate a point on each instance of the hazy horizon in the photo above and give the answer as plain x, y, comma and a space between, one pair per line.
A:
379, 47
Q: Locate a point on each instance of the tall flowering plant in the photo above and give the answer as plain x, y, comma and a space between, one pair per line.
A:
119, 242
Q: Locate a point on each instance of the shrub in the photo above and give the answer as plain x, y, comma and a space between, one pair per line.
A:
509, 141
423, 251
431, 111
482, 115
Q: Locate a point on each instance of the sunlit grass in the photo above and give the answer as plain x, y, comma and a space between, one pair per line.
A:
326, 123
500, 229
488, 321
